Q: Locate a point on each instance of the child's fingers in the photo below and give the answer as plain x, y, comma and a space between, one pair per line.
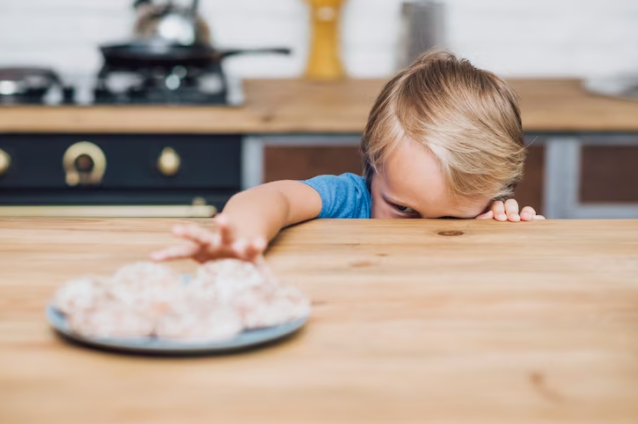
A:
528, 213
225, 231
511, 210
538, 217
175, 252
239, 248
255, 249
498, 208
195, 233
487, 215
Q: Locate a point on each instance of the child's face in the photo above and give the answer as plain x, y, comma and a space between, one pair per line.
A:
411, 184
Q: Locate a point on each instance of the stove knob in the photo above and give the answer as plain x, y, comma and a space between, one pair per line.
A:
5, 162
168, 162
84, 163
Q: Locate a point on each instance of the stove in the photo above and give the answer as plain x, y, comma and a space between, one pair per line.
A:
160, 85
31, 85
177, 85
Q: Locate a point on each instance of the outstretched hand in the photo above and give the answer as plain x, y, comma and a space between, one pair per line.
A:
203, 245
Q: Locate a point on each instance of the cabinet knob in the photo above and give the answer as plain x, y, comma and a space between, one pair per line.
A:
84, 164
5, 162
168, 162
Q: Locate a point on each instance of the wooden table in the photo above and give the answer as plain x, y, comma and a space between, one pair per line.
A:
504, 323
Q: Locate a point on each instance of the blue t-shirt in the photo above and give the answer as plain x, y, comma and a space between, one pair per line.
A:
343, 196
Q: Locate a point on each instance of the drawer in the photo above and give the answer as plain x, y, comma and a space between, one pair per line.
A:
206, 162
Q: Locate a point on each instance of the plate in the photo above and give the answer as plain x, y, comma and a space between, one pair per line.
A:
243, 340
152, 345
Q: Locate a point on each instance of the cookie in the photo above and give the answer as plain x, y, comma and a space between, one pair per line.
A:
257, 297
146, 285
201, 324
112, 320
229, 277
80, 294
285, 304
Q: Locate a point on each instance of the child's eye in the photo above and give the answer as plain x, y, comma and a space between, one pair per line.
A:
404, 209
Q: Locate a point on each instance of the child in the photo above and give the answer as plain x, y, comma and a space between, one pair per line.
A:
443, 140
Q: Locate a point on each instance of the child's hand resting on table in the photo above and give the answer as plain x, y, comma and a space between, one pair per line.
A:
508, 211
203, 245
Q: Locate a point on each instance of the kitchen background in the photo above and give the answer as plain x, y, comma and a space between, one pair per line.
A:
515, 39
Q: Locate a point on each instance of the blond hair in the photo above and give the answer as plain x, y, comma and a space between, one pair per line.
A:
467, 117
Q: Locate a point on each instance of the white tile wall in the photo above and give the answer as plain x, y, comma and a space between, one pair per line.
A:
511, 37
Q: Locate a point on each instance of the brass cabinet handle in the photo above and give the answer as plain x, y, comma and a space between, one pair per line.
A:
84, 164
168, 162
5, 162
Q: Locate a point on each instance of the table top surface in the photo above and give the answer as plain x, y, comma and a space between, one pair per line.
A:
449, 321
281, 106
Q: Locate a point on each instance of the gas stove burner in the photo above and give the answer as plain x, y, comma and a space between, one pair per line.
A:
31, 86
28, 97
162, 85
153, 96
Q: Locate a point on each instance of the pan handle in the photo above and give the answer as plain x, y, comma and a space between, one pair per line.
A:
236, 52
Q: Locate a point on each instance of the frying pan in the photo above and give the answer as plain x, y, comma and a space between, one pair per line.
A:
156, 53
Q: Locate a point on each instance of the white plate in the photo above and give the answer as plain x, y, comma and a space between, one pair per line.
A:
245, 339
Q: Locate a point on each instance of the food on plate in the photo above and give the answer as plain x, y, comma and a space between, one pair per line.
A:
284, 304
146, 285
146, 299
259, 299
230, 276
112, 319
200, 324
80, 294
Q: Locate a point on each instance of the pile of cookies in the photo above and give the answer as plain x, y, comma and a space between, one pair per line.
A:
147, 299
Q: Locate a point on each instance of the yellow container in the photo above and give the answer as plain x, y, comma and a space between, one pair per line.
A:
324, 62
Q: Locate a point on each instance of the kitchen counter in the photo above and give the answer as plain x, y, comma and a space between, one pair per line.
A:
444, 321
301, 107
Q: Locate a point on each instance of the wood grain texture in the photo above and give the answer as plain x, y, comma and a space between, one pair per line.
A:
506, 323
297, 106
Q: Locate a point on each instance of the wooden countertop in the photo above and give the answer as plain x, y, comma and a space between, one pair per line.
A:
507, 323
301, 107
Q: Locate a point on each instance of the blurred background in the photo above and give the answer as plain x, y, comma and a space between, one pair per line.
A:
160, 55
521, 38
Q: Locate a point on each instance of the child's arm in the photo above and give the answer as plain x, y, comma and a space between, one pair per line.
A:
249, 220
